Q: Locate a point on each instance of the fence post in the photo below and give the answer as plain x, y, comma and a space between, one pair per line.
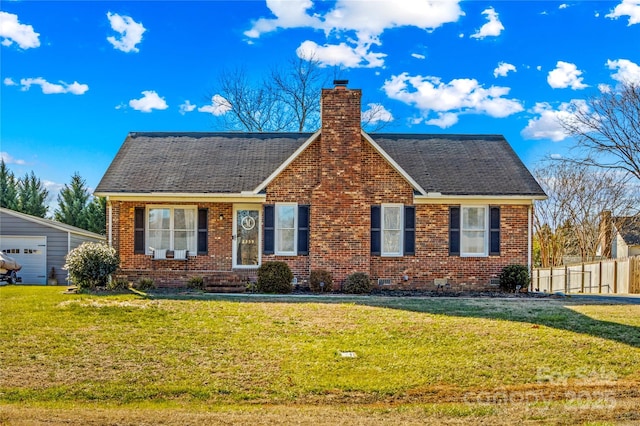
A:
551, 279
600, 277
566, 278
582, 280
615, 277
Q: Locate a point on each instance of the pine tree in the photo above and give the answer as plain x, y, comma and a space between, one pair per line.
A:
32, 196
97, 215
72, 203
8, 188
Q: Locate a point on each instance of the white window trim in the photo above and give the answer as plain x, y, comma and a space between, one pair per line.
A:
277, 250
485, 230
399, 253
171, 207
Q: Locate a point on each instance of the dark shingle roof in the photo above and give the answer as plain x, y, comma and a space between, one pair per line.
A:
461, 164
236, 162
629, 229
197, 162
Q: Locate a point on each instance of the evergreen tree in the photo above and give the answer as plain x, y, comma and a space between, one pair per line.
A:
72, 203
97, 215
8, 188
32, 196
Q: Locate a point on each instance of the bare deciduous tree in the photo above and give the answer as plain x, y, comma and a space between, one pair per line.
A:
288, 100
607, 132
568, 223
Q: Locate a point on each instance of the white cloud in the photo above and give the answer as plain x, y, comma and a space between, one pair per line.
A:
74, 88
539, 67
493, 28
9, 82
503, 69
418, 56
627, 71
149, 101
563, 6
604, 88
447, 100
341, 55
130, 32
356, 23
12, 31
566, 75
556, 156
8, 159
376, 113
219, 106
547, 123
630, 8
186, 107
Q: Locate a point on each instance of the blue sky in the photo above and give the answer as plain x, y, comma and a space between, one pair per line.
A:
76, 77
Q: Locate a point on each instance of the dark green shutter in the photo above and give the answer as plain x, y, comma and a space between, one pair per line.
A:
375, 230
454, 231
203, 230
409, 230
138, 230
494, 231
269, 229
303, 229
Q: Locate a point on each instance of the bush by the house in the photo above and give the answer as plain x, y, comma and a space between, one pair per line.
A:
275, 277
196, 282
320, 281
144, 284
357, 283
91, 264
118, 284
513, 276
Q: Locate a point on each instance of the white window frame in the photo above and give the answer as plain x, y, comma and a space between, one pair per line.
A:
276, 229
485, 230
383, 230
171, 209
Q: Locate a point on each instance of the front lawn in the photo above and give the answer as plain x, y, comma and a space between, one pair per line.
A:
130, 359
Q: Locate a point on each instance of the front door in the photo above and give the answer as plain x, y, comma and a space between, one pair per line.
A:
246, 235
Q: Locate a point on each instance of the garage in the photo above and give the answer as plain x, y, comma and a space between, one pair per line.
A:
40, 245
30, 253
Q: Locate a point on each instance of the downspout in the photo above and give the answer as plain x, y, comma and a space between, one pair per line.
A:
530, 243
109, 222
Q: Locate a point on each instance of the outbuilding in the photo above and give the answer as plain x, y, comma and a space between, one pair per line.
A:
40, 244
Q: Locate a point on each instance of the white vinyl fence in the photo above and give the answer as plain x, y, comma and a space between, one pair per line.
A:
615, 276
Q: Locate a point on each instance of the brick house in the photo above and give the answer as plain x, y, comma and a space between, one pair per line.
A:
407, 209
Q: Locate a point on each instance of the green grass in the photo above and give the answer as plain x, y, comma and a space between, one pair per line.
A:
438, 358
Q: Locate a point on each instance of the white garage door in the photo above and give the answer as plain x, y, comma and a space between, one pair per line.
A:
31, 253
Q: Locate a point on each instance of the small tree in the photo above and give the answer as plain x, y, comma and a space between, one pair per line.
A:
72, 203
91, 264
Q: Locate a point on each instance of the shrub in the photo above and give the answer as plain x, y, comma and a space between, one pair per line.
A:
320, 276
91, 264
196, 282
513, 276
274, 277
357, 283
118, 284
145, 284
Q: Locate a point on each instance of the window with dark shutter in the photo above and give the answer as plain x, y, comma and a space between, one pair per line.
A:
269, 229
138, 231
494, 231
454, 231
303, 230
409, 230
375, 230
203, 230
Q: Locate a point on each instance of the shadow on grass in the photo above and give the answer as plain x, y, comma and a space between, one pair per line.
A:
536, 311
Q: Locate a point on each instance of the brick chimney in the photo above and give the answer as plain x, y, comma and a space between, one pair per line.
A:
340, 213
